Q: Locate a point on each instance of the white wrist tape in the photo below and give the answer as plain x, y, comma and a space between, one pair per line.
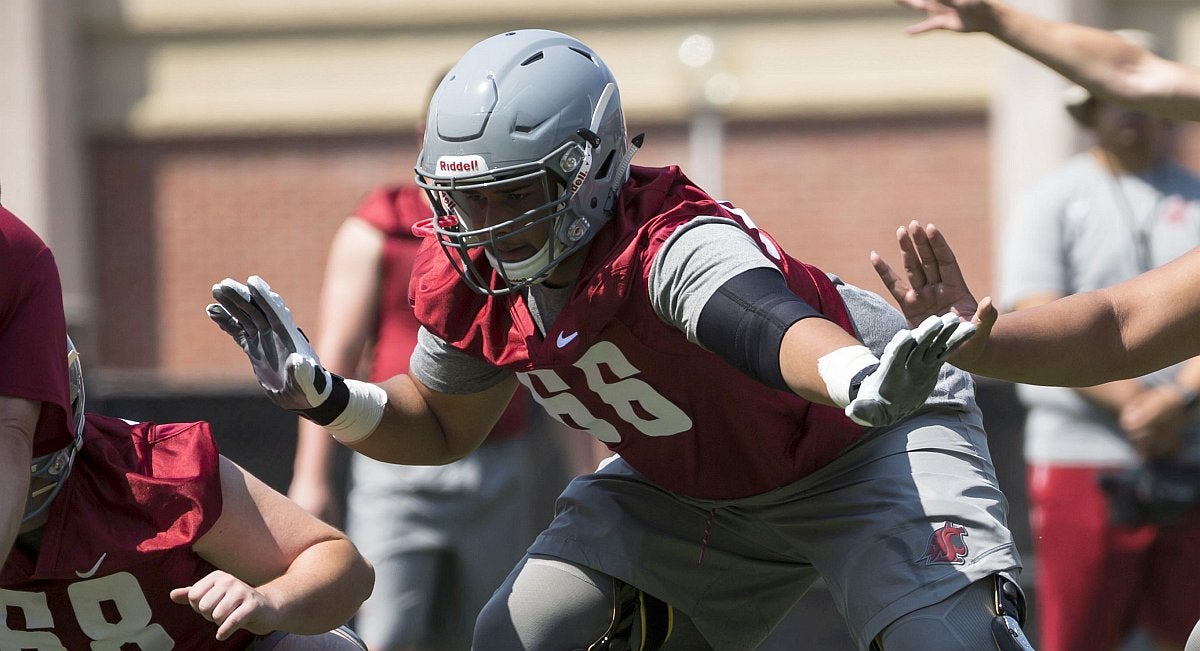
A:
361, 415
840, 367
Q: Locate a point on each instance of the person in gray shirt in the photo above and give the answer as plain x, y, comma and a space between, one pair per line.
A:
1107, 215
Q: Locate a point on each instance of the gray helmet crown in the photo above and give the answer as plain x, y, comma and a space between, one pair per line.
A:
528, 102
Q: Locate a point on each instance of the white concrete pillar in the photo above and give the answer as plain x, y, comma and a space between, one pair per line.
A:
1031, 133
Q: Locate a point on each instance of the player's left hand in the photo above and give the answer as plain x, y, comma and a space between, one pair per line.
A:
230, 603
908, 371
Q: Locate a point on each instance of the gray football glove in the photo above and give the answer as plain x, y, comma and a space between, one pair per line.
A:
282, 358
908, 371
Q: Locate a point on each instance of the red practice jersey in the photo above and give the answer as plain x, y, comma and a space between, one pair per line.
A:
394, 210
118, 540
686, 419
33, 332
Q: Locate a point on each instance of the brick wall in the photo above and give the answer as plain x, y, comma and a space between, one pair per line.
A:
174, 217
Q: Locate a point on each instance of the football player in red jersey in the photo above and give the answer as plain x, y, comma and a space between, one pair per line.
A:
34, 405
147, 536
772, 425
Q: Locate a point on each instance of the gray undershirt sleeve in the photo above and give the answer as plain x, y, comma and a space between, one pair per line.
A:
442, 368
693, 263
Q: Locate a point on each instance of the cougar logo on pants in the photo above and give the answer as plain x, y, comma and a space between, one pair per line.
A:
947, 545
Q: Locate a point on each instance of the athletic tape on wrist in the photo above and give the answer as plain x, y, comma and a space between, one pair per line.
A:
352, 410
362, 413
844, 371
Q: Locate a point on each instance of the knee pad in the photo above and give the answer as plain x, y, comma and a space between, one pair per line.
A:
1010, 615
985, 615
551, 604
546, 604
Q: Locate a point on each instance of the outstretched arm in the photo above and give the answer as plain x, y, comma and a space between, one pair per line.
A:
399, 420
1127, 330
1099, 60
737, 305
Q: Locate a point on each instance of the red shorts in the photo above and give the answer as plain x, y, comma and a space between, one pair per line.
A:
1096, 582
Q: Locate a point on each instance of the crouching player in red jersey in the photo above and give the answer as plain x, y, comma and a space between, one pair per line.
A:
142, 534
773, 426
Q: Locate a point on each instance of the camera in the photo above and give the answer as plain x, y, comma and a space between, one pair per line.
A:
1156, 492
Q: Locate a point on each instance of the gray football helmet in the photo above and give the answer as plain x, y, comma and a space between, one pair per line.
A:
522, 108
55, 466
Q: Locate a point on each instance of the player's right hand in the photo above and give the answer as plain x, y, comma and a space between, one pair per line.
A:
230, 603
282, 358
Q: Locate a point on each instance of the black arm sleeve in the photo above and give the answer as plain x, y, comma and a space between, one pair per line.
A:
745, 320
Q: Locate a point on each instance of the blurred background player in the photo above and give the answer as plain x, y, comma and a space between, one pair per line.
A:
1108, 214
441, 538
143, 521
761, 443
35, 407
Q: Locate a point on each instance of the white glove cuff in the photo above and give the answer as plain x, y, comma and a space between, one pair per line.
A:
839, 369
361, 415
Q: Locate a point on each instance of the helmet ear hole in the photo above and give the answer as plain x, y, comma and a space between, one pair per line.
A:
606, 166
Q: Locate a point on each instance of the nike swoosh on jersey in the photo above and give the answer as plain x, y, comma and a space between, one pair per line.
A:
88, 574
563, 341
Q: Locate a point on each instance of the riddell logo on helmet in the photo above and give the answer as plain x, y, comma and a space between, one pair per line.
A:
580, 177
460, 165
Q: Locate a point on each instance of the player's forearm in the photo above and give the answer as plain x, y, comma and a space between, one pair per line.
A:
1082, 54
322, 588
1074, 341
806, 342
1101, 61
425, 428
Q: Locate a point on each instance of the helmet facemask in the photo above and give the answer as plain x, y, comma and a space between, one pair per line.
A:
55, 467
549, 184
532, 111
